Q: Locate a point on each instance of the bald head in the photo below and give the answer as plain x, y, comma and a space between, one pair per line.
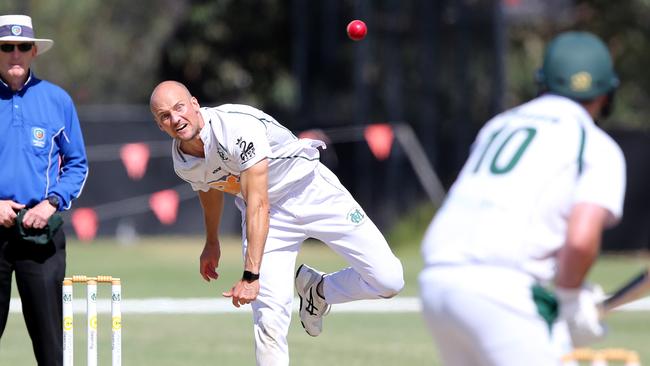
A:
166, 88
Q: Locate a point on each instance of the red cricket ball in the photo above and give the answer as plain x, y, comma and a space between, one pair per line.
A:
357, 30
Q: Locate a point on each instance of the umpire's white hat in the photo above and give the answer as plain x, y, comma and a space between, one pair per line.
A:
18, 28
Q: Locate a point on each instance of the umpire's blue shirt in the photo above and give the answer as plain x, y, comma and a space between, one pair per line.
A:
41, 146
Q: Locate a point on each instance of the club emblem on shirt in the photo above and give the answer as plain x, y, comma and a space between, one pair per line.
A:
16, 30
222, 153
38, 137
247, 150
356, 216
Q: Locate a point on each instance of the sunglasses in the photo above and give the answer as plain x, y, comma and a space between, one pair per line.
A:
22, 47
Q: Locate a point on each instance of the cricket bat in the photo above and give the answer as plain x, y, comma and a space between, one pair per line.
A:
632, 290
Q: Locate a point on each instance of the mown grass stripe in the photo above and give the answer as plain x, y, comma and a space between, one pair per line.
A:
218, 306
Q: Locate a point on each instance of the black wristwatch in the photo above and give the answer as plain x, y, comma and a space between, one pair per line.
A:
249, 276
54, 201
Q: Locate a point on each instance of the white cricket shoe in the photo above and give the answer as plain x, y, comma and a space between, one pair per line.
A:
312, 305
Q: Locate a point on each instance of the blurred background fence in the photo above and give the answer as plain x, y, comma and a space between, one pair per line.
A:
441, 67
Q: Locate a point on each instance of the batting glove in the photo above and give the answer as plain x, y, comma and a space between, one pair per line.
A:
579, 308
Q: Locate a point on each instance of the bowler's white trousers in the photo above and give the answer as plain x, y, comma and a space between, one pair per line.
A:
317, 207
482, 315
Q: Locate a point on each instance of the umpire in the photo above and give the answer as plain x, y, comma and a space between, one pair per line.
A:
43, 168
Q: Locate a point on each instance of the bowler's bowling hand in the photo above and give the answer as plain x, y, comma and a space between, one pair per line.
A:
243, 292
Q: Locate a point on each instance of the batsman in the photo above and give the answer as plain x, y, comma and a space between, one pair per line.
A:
526, 214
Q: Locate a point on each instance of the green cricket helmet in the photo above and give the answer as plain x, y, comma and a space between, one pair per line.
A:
577, 65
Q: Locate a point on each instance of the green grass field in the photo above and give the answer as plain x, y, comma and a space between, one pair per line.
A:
168, 267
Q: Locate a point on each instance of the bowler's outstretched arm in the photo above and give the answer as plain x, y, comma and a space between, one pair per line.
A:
212, 204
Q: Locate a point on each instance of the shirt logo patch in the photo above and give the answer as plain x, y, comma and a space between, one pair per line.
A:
356, 216
16, 30
247, 150
222, 154
38, 137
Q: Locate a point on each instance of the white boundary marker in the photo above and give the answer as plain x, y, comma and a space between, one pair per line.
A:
218, 306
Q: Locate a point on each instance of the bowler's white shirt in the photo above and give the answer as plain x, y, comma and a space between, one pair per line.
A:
511, 201
236, 137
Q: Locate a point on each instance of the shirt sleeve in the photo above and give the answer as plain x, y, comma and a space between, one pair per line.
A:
603, 176
74, 164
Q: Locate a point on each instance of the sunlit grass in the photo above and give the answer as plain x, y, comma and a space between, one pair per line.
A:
168, 267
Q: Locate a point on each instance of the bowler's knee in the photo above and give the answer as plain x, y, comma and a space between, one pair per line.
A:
391, 280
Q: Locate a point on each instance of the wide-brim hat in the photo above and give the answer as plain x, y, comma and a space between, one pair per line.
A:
18, 28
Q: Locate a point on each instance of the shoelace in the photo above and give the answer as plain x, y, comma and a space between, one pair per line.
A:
311, 308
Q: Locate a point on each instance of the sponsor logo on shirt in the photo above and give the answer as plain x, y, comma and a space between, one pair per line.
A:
228, 183
38, 137
247, 150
